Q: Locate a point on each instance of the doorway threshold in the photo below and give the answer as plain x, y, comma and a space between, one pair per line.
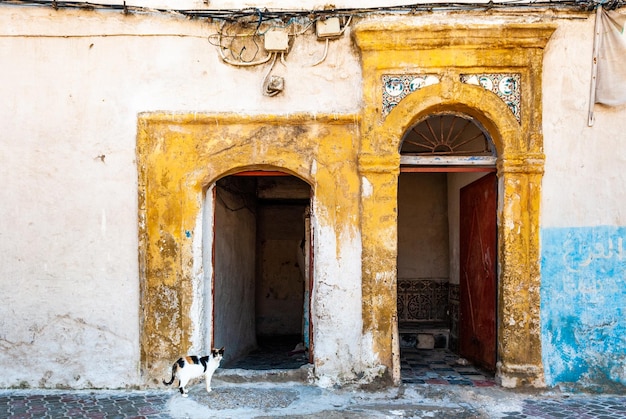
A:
238, 375
273, 352
276, 359
441, 366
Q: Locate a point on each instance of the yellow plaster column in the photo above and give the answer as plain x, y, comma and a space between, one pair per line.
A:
379, 187
519, 328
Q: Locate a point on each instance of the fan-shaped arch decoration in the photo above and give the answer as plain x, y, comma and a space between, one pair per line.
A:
447, 134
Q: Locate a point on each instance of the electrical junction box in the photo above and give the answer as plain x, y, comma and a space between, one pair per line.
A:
276, 40
328, 28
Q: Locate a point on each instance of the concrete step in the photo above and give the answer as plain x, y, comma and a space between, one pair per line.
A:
303, 374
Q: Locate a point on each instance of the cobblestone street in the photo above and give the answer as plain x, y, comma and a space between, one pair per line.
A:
294, 400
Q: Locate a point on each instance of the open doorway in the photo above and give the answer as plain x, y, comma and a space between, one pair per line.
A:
261, 270
441, 296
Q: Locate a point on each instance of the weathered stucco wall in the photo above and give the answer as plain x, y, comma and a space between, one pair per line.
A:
68, 236
584, 303
583, 223
69, 271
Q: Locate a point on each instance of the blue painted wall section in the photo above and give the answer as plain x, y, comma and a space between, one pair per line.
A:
583, 307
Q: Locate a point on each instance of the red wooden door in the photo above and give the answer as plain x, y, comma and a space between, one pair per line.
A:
477, 310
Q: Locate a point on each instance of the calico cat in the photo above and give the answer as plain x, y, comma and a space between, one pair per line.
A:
190, 367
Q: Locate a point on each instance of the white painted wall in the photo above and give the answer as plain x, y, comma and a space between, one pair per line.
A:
585, 166
74, 82
340, 350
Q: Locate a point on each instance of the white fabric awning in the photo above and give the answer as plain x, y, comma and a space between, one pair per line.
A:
608, 79
611, 80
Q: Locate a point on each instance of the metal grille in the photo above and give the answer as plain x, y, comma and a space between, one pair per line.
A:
422, 300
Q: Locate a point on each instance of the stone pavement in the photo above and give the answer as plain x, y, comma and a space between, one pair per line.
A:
296, 400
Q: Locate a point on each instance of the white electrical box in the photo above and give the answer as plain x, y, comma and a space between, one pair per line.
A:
276, 40
328, 28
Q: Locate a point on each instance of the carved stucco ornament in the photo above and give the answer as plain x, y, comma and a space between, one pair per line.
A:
507, 86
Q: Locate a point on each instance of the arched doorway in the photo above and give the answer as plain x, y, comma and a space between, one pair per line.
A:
258, 243
456, 58
446, 222
180, 158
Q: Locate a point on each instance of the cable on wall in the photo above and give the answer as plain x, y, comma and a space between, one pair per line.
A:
235, 14
242, 32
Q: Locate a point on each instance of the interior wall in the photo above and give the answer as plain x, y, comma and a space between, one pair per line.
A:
233, 288
423, 226
280, 284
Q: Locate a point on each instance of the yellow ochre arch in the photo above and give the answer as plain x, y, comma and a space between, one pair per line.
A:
449, 96
178, 156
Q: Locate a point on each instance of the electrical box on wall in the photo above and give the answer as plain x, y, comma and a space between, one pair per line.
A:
328, 28
276, 40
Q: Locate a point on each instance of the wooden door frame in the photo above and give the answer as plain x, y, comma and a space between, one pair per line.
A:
454, 165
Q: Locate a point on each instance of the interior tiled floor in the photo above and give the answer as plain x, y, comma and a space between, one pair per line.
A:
272, 353
418, 366
440, 366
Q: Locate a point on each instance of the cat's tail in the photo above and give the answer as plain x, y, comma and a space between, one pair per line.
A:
174, 368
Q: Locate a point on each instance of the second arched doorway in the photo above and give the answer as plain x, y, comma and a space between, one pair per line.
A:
447, 233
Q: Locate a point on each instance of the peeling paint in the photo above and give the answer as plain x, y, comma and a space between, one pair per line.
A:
366, 186
583, 301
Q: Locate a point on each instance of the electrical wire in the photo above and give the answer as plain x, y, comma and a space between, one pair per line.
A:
239, 45
267, 14
267, 89
321, 60
239, 60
